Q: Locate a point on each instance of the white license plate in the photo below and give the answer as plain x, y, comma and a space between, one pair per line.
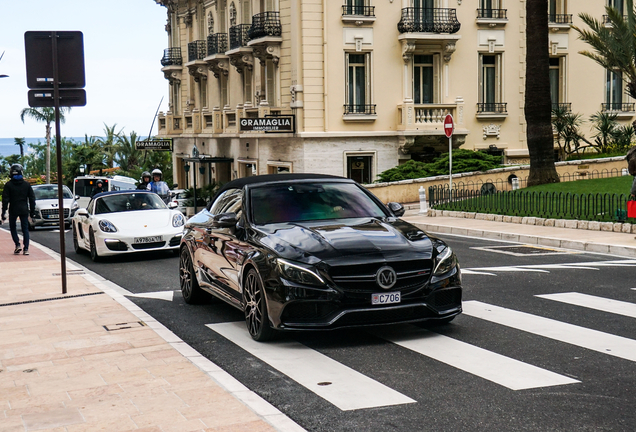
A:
53, 216
386, 298
151, 239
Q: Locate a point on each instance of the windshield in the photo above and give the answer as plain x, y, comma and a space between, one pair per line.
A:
50, 192
128, 202
311, 201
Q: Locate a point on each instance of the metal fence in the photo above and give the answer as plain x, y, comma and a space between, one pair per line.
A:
550, 205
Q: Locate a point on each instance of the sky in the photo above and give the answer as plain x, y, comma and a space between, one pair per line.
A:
123, 45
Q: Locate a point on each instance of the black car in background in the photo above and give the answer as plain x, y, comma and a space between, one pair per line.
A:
313, 252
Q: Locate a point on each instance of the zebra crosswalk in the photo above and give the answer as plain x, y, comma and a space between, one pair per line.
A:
349, 389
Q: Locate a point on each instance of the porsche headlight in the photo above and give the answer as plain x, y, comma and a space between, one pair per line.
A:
178, 220
445, 261
107, 226
296, 273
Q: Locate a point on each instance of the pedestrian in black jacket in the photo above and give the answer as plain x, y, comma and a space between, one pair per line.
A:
18, 196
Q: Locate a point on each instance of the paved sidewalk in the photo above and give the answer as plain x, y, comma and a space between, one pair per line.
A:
86, 361
614, 243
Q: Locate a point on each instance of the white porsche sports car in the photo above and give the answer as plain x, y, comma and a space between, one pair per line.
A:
125, 222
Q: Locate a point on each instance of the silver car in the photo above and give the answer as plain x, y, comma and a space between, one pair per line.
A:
47, 211
177, 196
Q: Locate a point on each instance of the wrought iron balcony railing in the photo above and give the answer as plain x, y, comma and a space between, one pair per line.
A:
621, 107
562, 106
197, 50
217, 43
428, 20
359, 109
606, 19
492, 107
368, 11
265, 24
560, 18
171, 57
492, 13
239, 35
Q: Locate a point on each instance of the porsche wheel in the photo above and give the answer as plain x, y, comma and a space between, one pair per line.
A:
256, 316
76, 245
94, 254
190, 289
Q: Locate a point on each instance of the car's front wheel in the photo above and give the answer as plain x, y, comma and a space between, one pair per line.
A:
190, 289
256, 316
94, 254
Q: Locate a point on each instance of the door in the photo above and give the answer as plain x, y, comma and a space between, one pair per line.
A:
359, 168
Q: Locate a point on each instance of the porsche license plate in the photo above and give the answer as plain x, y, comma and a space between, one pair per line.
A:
151, 239
386, 298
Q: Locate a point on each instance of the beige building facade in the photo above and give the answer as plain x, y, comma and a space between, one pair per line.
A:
360, 86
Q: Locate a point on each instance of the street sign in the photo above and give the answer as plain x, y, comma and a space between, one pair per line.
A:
271, 124
158, 144
68, 97
39, 59
449, 126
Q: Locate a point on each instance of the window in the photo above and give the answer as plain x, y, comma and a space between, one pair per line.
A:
357, 92
491, 9
555, 82
246, 12
359, 168
423, 79
230, 201
614, 90
270, 82
175, 95
355, 7
490, 93
248, 93
223, 90
616, 4
203, 93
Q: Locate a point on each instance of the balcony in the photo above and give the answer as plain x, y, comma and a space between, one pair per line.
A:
607, 21
621, 110
197, 50
239, 36
265, 24
558, 22
416, 20
358, 15
217, 44
490, 110
564, 107
172, 57
492, 17
359, 112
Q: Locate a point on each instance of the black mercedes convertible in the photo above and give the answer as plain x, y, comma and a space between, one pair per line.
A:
314, 252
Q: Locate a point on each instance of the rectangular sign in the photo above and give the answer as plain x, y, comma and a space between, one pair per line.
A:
277, 124
68, 98
161, 144
39, 59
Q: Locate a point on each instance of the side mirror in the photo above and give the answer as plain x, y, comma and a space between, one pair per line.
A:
396, 208
224, 220
172, 205
82, 212
77, 197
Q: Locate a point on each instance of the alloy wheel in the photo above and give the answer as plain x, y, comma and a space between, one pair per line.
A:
256, 316
185, 274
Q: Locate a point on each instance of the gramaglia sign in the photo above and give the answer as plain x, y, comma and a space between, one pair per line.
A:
161, 144
278, 124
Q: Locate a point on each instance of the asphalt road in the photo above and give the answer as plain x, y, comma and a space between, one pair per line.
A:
513, 361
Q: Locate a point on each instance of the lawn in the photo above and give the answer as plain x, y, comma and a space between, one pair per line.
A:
596, 199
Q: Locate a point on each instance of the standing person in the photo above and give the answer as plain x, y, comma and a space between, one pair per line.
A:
145, 181
99, 188
158, 186
631, 167
19, 197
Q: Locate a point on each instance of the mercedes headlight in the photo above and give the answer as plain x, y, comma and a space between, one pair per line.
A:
445, 260
178, 220
297, 273
75, 205
107, 226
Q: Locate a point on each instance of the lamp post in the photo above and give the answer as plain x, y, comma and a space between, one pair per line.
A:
186, 168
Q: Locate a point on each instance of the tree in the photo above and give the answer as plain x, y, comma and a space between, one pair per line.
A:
45, 115
128, 157
109, 144
613, 43
537, 106
20, 142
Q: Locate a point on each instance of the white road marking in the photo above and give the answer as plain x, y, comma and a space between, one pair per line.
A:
593, 302
336, 383
466, 271
605, 343
502, 370
544, 268
159, 295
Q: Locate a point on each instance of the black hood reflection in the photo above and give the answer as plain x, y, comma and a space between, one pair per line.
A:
347, 241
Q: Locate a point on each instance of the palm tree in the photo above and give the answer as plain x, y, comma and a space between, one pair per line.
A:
538, 104
20, 142
128, 157
45, 115
109, 144
613, 43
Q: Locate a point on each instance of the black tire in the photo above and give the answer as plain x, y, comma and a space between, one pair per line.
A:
76, 246
256, 315
190, 289
94, 255
67, 225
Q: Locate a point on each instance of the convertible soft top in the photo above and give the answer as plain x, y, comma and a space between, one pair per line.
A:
274, 178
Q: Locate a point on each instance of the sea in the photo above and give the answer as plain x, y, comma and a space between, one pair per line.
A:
8, 147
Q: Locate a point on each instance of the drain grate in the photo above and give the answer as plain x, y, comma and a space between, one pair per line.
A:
124, 326
526, 250
49, 299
